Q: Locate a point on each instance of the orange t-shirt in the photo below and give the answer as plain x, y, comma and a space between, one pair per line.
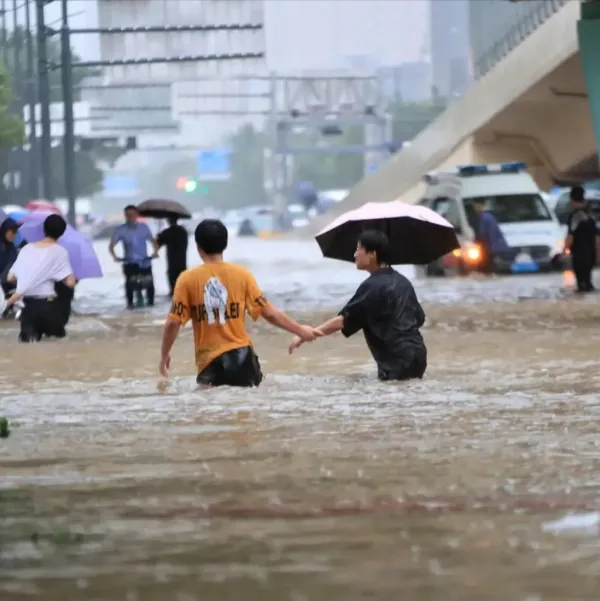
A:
216, 297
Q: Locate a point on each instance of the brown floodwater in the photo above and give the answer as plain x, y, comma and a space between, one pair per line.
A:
479, 482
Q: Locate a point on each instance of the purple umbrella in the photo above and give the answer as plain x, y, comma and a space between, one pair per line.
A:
82, 255
35, 216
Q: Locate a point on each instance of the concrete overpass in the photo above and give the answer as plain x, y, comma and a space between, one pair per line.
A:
534, 105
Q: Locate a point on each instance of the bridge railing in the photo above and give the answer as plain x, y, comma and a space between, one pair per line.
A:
497, 28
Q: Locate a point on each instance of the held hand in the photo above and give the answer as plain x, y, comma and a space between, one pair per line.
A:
309, 334
14, 299
165, 365
296, 344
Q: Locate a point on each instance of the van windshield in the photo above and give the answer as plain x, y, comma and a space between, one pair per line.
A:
563, 205
510, 208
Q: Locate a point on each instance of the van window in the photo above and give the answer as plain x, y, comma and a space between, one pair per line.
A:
510, 208
448, 209
562, 208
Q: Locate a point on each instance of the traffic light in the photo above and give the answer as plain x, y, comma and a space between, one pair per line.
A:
189, 184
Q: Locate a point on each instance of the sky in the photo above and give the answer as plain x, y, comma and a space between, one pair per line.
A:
309, 34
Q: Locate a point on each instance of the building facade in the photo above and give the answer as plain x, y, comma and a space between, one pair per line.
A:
163, 100
449, 41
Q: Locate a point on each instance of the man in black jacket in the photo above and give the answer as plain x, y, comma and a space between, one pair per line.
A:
8, 255
582, 240
175, 238
385, 307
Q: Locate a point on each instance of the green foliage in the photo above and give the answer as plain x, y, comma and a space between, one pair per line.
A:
4, 428
11, 126
14, 53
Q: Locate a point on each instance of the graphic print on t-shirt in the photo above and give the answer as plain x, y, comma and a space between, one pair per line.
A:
215, 300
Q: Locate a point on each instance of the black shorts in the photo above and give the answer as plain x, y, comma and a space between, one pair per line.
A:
41, 317
239, 367
411, 365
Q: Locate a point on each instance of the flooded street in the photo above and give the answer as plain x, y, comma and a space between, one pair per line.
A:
480, 482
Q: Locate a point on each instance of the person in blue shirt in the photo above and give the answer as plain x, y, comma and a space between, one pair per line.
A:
489, 237
137, 264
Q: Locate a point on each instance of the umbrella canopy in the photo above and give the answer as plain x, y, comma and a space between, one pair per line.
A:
43, 205
163, 209
82, 255
15, 217
417, 234
39, 215
11, 208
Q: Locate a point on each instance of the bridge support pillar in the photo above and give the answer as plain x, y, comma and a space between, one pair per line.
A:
588, 32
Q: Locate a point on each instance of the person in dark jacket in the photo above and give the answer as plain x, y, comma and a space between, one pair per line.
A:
175, 238
582, 240
489, 237
385, 307
8, 252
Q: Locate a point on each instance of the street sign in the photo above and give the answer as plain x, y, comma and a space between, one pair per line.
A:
213, 164
120, 185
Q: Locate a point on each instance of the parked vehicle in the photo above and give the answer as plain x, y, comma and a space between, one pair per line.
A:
531, 230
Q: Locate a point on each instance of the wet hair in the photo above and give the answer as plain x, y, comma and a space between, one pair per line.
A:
54, 227
8, 225
211, 236
130, 208
376, 241
577, 194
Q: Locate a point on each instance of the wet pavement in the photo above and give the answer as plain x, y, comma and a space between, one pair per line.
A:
479, 482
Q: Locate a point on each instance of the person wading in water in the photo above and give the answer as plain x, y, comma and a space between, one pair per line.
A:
37, 269
582, 240
175, 238
137, 265
386, 309
216, 296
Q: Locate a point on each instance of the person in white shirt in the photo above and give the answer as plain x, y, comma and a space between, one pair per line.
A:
37, 268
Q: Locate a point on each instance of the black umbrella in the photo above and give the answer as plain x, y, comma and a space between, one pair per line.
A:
417, 234
163, 209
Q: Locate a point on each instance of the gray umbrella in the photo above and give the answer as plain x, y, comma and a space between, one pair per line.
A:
163, 209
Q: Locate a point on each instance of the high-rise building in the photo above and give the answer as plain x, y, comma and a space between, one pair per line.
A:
407, 82
449, 40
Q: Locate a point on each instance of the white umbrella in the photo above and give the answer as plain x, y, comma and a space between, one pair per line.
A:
8, 209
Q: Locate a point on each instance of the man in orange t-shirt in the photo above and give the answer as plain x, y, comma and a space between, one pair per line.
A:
216, 296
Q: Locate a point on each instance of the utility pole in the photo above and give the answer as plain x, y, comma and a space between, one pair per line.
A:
15, 162
34, 159
69, 133
44, 93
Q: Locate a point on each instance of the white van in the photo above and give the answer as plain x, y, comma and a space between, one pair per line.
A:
531, 230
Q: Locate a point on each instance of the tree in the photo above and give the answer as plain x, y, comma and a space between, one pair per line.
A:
11, 126
14, 54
